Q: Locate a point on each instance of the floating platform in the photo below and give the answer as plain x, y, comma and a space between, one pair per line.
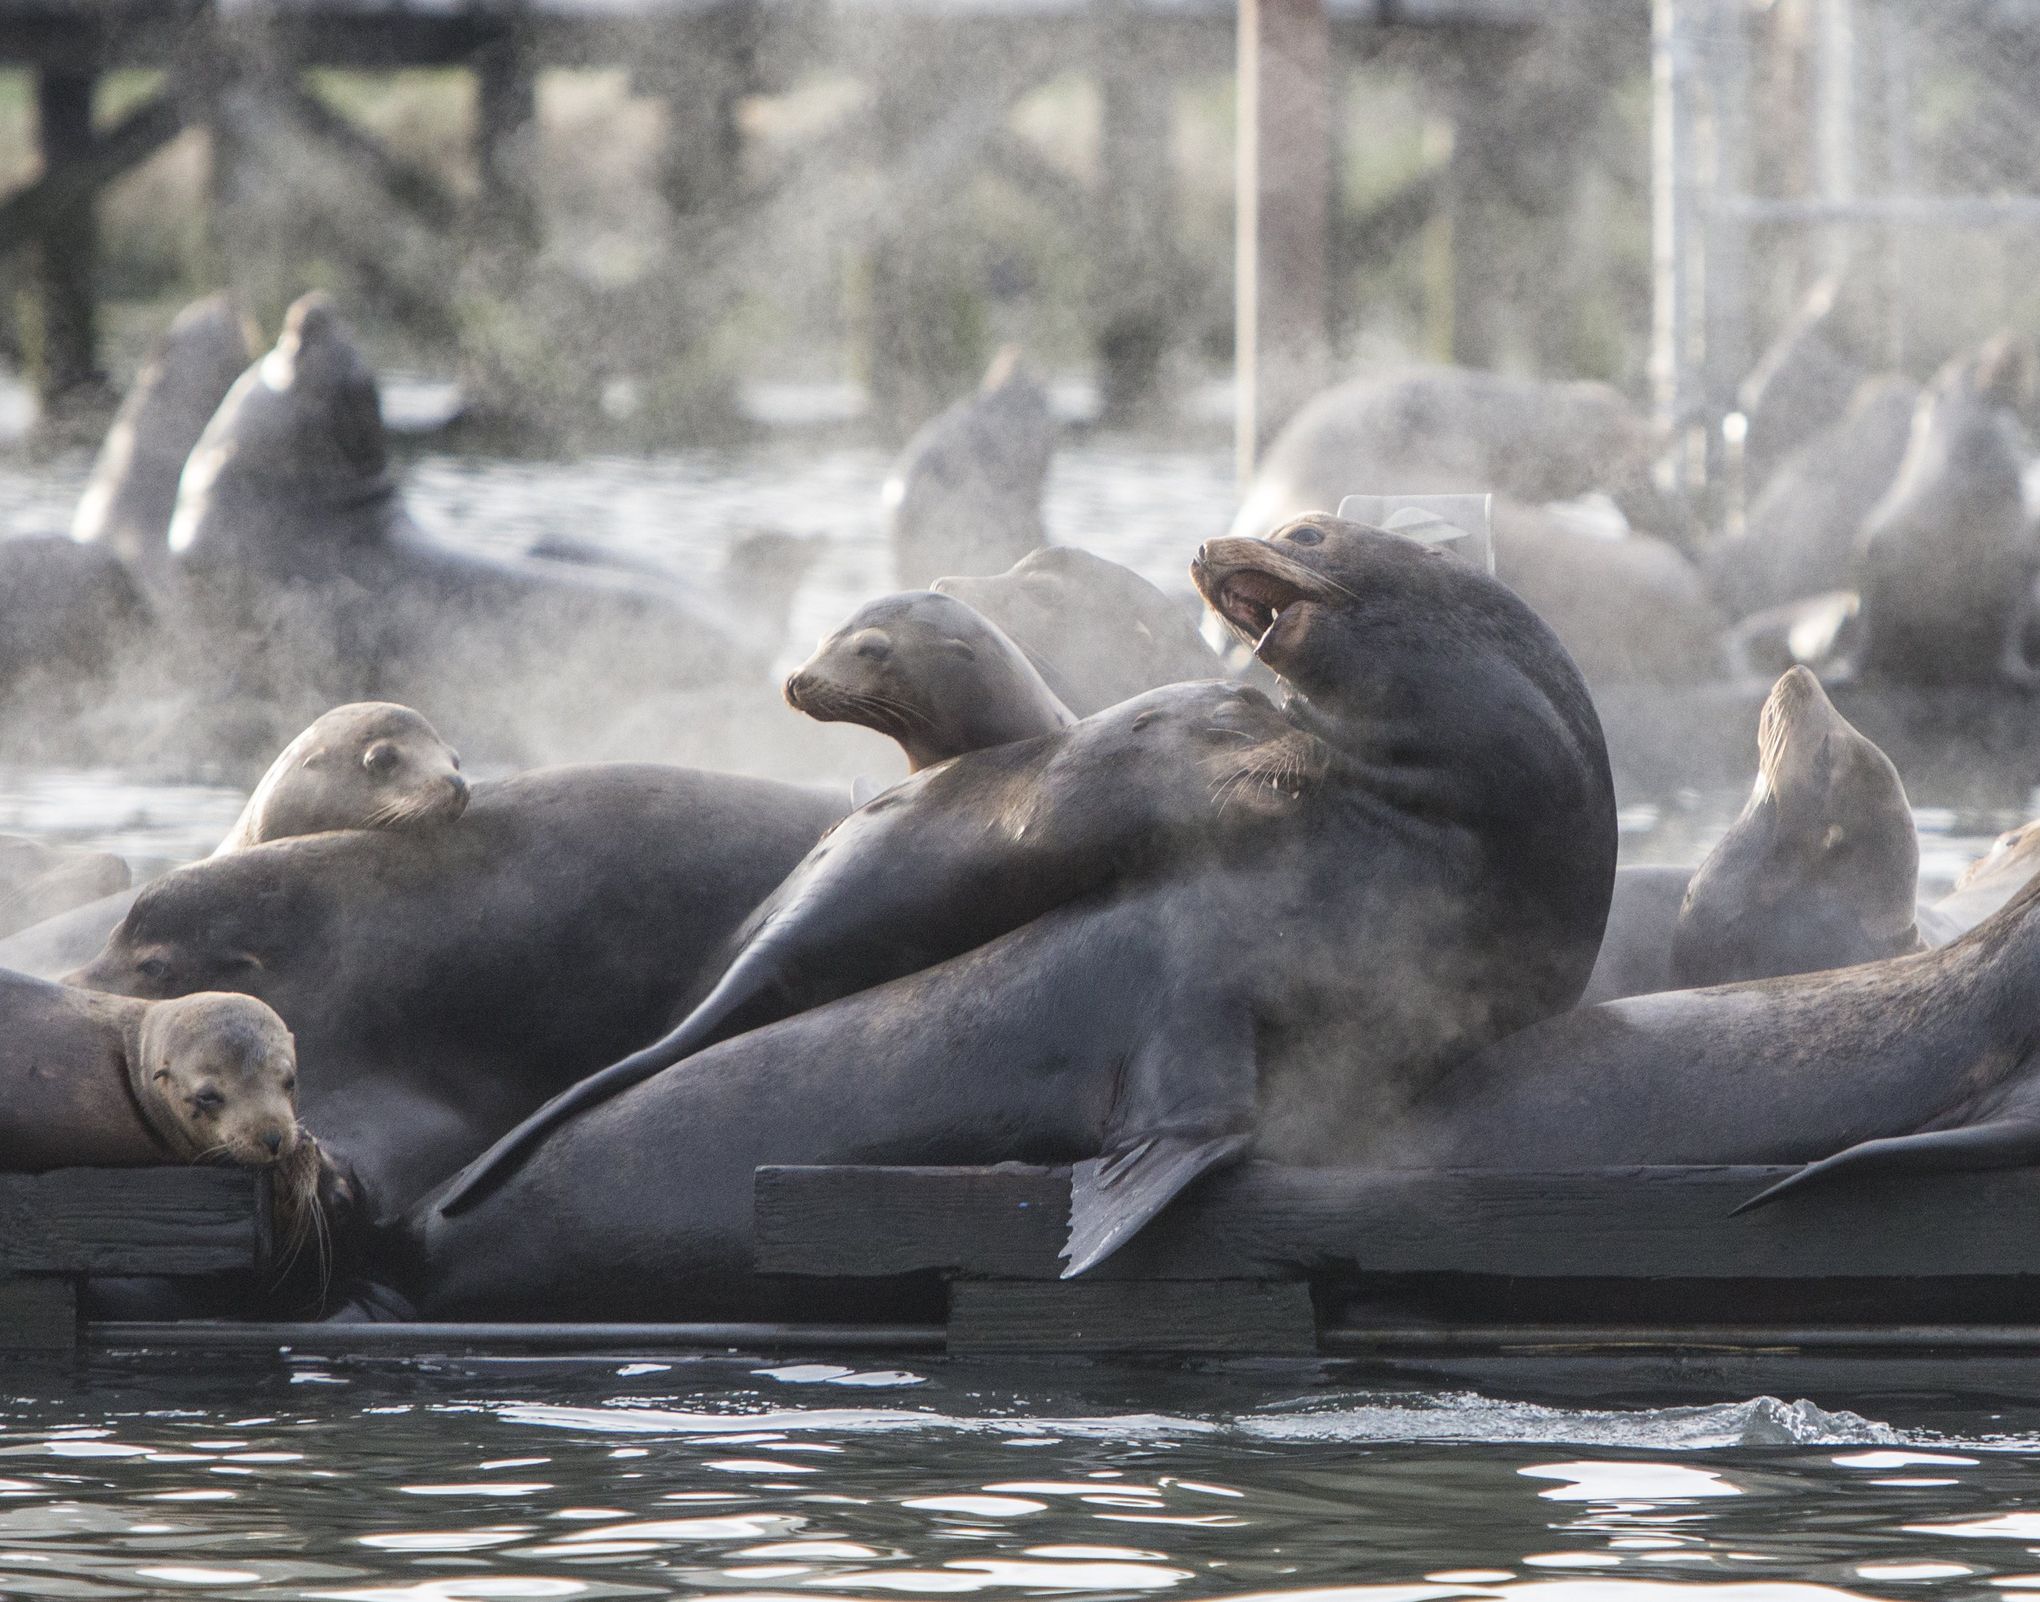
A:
1629, 1283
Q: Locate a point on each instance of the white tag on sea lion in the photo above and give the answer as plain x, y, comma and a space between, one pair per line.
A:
1462, 524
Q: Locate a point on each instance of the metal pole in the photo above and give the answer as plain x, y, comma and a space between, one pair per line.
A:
1281, 296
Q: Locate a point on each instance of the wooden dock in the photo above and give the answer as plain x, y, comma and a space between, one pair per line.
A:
1633, 1283
60, 1228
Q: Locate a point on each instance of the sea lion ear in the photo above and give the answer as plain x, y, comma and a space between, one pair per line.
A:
961, 649
239, 959
1185, 1105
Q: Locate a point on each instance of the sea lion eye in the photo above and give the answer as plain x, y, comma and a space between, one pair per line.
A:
380, 758
153, 968
208, 1100
1307, 535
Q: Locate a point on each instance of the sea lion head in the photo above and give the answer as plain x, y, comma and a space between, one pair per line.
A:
1821, 869
211, 925
216, 1077
926, 670
1342, 612
365, 765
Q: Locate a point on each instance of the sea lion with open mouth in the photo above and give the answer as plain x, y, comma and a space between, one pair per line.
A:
1286, 982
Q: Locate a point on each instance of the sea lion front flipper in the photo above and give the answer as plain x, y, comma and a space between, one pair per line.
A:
2012, 1142
1184, 1106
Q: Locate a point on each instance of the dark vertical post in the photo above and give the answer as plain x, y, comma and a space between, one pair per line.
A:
506, 126
1136, 217
67, 255
1281, 298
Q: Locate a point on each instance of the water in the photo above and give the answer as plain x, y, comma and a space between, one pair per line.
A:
757, 1478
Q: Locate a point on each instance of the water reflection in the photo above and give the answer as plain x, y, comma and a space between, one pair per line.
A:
500, 1479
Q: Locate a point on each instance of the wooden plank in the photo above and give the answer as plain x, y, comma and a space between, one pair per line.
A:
133, 1221
38, 1314
1261, 1222
1242, 1317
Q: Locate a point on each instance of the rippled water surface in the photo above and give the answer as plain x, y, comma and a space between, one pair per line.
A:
751, 1477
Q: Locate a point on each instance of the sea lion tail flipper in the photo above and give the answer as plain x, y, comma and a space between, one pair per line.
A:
2012, 1142
478, 1181
1183, 1107
1113, 1197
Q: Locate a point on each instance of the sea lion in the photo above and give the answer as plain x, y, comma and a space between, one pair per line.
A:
104, 1082
1636, 950
366, 765
1916, 1064
1799, 533
309, 578
994, 840
1821, 870
1990, 881
1803, 381
442, 983
132, 493
965, 494
1098, 632
1442, 430
1944, 563
1285, 985
928, 672
39, 880
70, 615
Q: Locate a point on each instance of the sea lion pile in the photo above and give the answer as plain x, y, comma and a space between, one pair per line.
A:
519, 1044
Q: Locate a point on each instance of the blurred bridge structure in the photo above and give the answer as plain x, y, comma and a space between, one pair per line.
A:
943, 77
1888, 146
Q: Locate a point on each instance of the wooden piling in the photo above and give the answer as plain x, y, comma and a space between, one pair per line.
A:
1135, 201
1281, 296
68, 377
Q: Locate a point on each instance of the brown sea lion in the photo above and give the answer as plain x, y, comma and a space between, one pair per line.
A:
443, 982
1799, 534
1990, 881
310, 583
104, 1082
1822, 868
40, 881
1441, 880
993, 841
1914, 1065
1944, 565
132, 493
965, 494
366, 765
930, 673
1098, 632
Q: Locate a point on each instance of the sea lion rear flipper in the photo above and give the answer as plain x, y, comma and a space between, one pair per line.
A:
1183, 1107
2011, 1142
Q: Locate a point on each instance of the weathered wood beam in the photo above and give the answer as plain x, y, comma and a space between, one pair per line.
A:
134, 1221
27, 213
1262, 1221
405, 182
